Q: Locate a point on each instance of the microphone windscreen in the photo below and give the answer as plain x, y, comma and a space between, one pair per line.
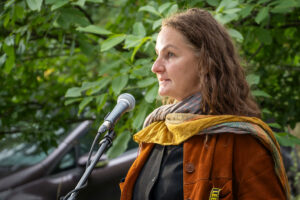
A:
129, 99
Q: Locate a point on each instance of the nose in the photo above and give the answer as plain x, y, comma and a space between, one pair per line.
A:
158, 66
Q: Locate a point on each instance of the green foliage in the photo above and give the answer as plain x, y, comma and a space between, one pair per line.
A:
66, 61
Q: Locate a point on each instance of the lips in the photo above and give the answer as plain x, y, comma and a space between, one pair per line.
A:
163, 81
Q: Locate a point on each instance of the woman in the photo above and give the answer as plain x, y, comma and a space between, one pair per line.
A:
208, 141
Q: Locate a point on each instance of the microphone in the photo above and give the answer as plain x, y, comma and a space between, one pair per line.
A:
126, 102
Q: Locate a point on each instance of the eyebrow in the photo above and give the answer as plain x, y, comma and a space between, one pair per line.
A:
167, 46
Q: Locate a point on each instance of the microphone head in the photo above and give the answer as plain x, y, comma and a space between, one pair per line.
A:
128, 99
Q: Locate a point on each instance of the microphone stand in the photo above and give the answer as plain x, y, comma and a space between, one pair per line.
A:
104, 143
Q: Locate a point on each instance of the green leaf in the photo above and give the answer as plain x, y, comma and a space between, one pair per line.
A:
101, 84
151, 94
140, 116
285, 6
85, 46
10, 60
149, 9
112, 41
100, 101
164, 7
59, 4
95, 1
34, 4
73, 92
231, 10
89, 85
109, 67
253, 79
260, 93
213, 2
21, 47
132, 41
119, 144
69, 16
246, 11
138, 47
84, 103
142, 71
10, 40
262, 14
51, 1
19, 12
264, 36
275, 125
172, 10
262, 1
146, 82
286, 139
156, 24
79, 3
70, 101
225, 5
6, 20
2, 59
224, 19
236, 34
266, 111
119, 83
94, 29
139, 29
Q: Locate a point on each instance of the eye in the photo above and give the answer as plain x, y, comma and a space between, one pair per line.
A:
170, 54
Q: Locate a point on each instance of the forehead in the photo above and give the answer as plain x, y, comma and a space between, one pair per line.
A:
169, 36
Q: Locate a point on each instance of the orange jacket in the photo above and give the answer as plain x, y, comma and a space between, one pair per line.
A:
239, 165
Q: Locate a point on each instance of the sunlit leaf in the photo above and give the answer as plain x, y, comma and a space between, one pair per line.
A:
119, 83
84, 103
112, 41
34, 4
59, 4
253, 79
235, 34
274, 125
140, 116
260, 93
73, 100
164, 7
138, 47
132, 41
212, 2
149, 9
100, 101
246, 11
10, 59
172, 10
139, 29
73, 92
262, 14
146, 82
95, 1
94, 29
2, 59
151, 94
156, 24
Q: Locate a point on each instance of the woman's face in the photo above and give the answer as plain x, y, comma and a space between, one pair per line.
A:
176, 66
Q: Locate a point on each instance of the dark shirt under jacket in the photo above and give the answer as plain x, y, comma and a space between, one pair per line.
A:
162, 175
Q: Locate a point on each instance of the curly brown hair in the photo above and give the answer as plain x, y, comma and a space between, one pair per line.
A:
222, 80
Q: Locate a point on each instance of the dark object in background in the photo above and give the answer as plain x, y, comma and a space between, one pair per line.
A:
50, 177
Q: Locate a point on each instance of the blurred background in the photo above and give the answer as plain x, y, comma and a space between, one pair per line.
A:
63, 62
